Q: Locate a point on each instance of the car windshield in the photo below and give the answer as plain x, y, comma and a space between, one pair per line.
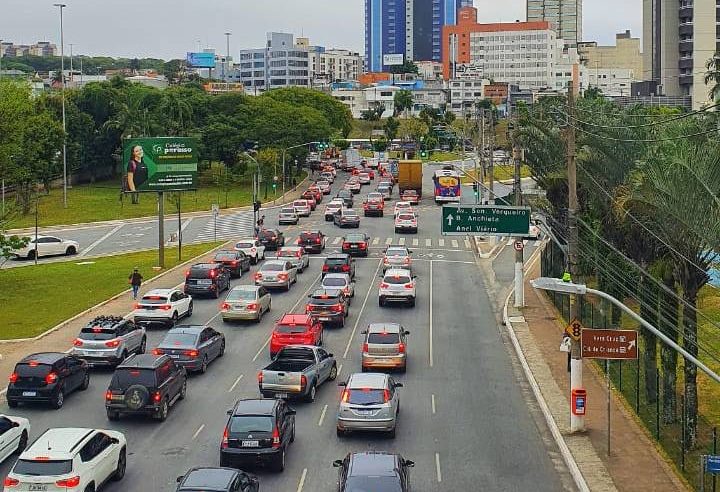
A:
350, 213
241, 295
396, 252
373, 484
251, 423
366, 396
290, 328
397, 279
42, 468
383, 337
97, 333
179, 340
343, 193
272, 267
221, 257
125, 377
244, 244
334, 282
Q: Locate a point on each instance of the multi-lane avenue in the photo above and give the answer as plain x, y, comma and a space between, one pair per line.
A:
466, 421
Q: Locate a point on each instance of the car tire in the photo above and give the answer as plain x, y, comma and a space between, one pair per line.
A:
222, 349
340, 433
411, 302
31, 254
162, 412
391, 433
12, 403
86, 382
143, 346
279, 465
183, 390
123, 356
203, 366
292, 436
59, 400
121, 466
113, 415
254, 260
310, 397
71, 250
381, 302
174, 319
333, 373
189, 311
90, 488
22, 443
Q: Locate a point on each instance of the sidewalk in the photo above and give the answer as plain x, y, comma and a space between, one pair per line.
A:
634, 462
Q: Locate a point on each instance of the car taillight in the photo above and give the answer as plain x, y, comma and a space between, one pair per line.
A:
308, 308
318, 241
51, 378
68, 483
409, 286
233, 263
187, 273
137, 305
276, 438
252, 307
113, 343
260, 377
365, 347
224, 305
165, 307
383, 285
337, 308
13, 377
386, 395
346, 245
298, 254
224, 442
283, 276
363, 245
407, 259
303, 381
213, 273
345, 395
157, 397
191, 353
108, 395
325, 268
346, 291
345, 268
401, 348
157, 351
77, 343
11, 482
258, 276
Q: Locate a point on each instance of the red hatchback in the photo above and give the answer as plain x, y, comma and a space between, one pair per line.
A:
295, 329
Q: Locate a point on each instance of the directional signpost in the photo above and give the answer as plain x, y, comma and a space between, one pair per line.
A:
609, 344
463, 220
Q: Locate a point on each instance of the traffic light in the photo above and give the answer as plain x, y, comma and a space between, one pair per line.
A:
256, 206
475, 188
423, 154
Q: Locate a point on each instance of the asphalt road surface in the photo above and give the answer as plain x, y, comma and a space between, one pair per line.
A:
465, 420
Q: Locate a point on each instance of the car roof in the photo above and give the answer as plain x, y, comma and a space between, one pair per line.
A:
245, 287
43, 357
57, 443
255, 406
273, 262
384, 328
326, 292
187, 329
160, 292
291, 248
404, 204
353, 234
142, 361
367, 380
373, 463
208, 478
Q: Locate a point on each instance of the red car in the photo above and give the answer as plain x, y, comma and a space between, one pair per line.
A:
410, 196
295, 329
317, 191
310, 197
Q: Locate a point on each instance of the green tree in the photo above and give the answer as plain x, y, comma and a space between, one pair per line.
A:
336, 113
712, 76
408, 66
413, 128
391, 128
403, 100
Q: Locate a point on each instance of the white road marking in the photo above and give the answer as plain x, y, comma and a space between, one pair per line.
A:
339, 369
103, 238
428, 242
322, 416
388, 241
185, 224
376, 241
416, 241
197, 432
235, 383
454, 243
432, 403
302, 480
441, 242
437, 467
467, 243
337, 240
401, 241
362, 308
261, 349
430, 316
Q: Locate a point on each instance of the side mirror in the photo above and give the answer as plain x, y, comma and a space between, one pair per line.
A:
291, 412
406, 332
364, 332
342, 383
409, 463
410, 251
228, 411
414, 276
397, 385
15, 424
331, 354
179, 479
115, 440
337, 463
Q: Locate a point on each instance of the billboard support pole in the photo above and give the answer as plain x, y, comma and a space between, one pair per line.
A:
179, 229
161, 229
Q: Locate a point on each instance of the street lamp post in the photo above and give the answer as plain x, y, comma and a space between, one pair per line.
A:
61, 6
227, 56
256, 186
283, 163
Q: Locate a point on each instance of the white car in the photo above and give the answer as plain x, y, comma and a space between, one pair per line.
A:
295, 255
324, 186
288, 215
364, 178
14, 432
46, 246
163, 306
251, 247
398, 285
302, 208
70, 459
406, 221
402, 207
339, 281
331, 208
327, 175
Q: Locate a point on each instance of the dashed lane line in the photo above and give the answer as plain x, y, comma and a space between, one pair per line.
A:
237, 381
197, 432
359, 316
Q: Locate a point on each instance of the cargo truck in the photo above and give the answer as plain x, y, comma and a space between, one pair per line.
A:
410, 176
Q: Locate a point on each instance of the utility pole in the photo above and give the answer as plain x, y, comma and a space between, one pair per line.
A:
481, 121
519, 260
577, 422
491, 166
61, 6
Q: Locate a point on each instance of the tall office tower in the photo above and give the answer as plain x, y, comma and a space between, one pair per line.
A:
679, 37
565, 17
409, 27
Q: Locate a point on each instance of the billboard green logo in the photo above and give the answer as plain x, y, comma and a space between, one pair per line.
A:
160, 164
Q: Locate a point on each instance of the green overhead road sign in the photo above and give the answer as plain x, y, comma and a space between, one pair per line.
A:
462, 220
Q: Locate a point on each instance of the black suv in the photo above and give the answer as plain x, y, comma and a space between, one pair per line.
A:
47, 377
272, 239
328, 306
339, 263
356, 244
236, 262
312, 241
207, 278
258, 432
145, 384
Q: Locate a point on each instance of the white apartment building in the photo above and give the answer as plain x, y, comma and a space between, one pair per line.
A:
335, 64
465, 92
614, 82
279, 64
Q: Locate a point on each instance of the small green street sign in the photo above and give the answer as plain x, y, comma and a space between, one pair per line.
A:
461, 220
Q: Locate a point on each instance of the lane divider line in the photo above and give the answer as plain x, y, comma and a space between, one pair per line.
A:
98, 241
430, 316
339, 369
197, 432
388, 241
362, 308
322, 416
235, 383
437, 467
302, 480
432, 403
441, 242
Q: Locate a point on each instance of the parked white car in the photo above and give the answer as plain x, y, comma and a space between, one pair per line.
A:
163, 306
14, 432
65, 459
47, 246
398, 285
251, 247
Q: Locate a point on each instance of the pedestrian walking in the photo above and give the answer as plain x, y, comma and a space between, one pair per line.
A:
135, 280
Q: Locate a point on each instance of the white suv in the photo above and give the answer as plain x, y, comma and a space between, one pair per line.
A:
70, 460
398, 285
163, 306
251, 247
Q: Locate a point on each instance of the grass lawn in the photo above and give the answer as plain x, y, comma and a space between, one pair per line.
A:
43, 296
500, 172
442, 156
102, 201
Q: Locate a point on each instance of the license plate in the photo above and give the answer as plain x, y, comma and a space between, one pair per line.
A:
324, 318
204, 282
38, 486
250, 444
174, 356
364, 412
271, 279
30, 393
281, 395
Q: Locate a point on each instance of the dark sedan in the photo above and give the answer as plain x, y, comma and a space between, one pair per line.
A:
217, 479
346, 196
312, 241
192, 346
356, 244
236, 262
369, 470
272, 239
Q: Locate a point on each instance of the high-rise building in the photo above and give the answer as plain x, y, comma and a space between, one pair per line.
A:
409, 27
564, 16
679, 37
279, 64
626, 54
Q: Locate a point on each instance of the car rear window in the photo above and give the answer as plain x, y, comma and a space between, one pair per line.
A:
324, 300
334, 282
406, 216
287, 211
221, 257
200, 272
272, 267
42, 468
244, 244
251, 423
287, 254
349, 213
241, 295
154, 299
397, 280
335, 261
300, 203
355, 238
179, 339
32, 371
93, 333
383, 337
308, 235
267, 234
373, 484
396, 252
126, 377
366, 396
290, 328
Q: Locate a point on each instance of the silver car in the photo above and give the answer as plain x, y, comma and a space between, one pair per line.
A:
369, 402
109, 340
288, 215
276, 273
339, 281
397, 257
385, 347
295, 255
246, 302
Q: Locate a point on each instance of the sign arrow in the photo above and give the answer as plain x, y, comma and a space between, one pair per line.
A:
631, 344
450, 219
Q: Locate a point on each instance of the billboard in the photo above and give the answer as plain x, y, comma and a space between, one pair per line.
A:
201, 60
393, 59
160, 164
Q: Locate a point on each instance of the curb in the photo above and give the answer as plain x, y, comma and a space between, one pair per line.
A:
499, 245
568, 458
106, 301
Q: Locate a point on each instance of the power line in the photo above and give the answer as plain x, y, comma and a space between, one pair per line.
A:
647, 140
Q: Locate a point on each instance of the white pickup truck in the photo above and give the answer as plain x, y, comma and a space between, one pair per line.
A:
296, 372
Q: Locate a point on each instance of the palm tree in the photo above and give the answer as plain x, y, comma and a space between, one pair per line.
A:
713, 75
403, 101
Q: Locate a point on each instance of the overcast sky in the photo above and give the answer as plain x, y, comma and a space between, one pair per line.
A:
168, 28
